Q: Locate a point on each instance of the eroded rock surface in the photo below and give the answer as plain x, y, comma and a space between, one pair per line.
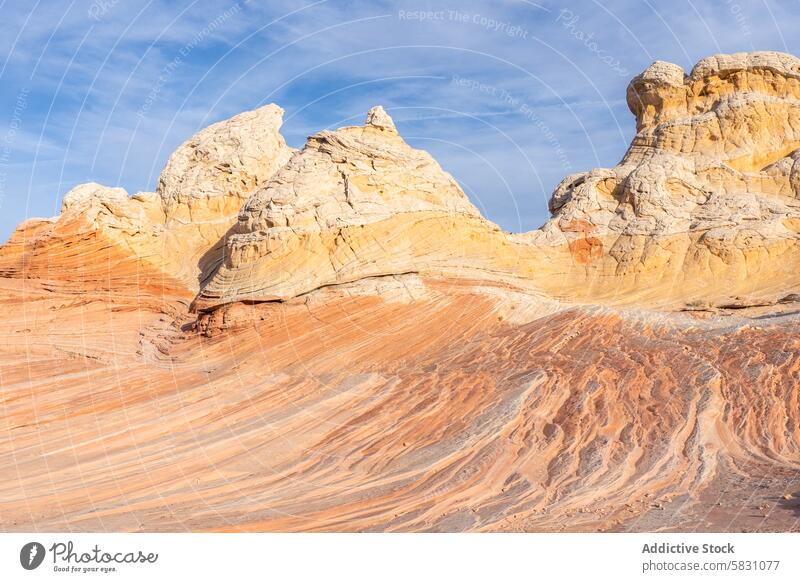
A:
414, 405
356, 202
704, 206
370, 354
211, 175
178, 230
706, 201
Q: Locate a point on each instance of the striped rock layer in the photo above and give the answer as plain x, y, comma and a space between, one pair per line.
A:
334, 339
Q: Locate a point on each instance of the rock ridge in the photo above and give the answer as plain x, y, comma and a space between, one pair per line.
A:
177, 230
704, 207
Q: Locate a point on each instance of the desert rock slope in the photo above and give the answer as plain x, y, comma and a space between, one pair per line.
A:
334, 339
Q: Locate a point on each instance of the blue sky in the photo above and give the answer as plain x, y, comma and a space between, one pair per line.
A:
509, 96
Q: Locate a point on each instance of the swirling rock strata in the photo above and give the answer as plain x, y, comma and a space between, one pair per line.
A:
354, 203
373, 355
703, 208
432, 407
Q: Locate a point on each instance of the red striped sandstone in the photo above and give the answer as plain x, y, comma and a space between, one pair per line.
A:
372, 354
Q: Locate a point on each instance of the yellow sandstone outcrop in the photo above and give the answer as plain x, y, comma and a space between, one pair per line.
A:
356, 202
373, 355
703, 208
702, 205
176, 231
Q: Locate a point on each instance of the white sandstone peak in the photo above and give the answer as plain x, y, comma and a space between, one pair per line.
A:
83, 194
377, 117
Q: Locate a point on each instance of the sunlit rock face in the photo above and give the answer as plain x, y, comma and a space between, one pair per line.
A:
703, 208
177, 231
334, 339
212, 174
209, 177
704, 205
356, 202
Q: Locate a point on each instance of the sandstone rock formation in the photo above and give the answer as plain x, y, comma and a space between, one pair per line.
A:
702, 210
705, 204
350, 413
208, 179
177, 231
367, 353
354, 203
212, 174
